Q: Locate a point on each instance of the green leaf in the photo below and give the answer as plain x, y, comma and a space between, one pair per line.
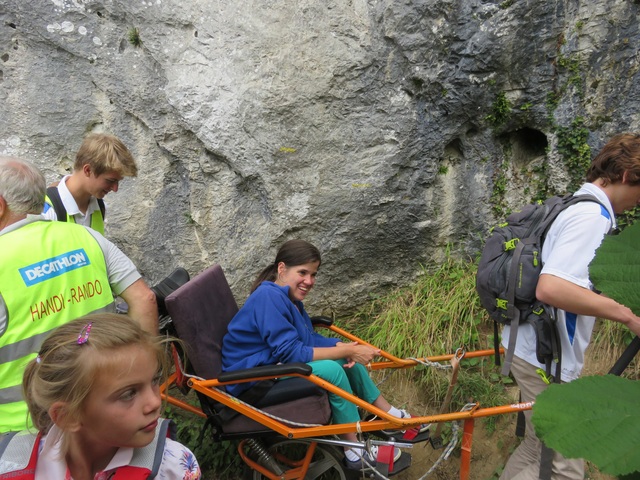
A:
596, 418
616, 266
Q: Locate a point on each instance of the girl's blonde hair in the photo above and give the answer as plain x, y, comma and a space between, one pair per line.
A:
65, 368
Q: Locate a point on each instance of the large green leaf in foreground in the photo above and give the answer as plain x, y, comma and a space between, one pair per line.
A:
595, 418
615, 270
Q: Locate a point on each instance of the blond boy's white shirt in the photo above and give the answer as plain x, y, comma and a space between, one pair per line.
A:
71, 206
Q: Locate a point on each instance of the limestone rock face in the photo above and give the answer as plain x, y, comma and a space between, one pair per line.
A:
381, 131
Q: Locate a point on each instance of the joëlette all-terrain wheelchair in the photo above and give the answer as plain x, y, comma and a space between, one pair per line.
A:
283, 422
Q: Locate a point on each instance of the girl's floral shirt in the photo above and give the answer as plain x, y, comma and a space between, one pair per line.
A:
178, 462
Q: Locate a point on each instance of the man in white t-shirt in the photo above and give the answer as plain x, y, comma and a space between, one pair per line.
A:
569, 247
101, 163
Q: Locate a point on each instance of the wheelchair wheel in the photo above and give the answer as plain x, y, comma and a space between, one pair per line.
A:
325, 465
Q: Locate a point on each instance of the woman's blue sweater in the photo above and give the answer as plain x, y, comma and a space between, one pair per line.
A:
269, 329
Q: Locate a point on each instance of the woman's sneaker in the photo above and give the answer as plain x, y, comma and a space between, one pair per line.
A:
368, 459
417, 430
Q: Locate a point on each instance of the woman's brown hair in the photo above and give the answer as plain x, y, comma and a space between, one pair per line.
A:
291, 253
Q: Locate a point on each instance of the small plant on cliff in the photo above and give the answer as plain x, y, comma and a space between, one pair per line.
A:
572, 145
571, 64
553, 99
541, 189
499, 189
189, 218
134, 37
500, 110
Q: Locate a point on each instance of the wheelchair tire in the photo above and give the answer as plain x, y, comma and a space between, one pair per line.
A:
325, 465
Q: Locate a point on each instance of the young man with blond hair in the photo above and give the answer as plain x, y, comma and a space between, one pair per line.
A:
101, 163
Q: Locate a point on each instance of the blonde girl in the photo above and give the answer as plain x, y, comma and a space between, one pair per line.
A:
93, 395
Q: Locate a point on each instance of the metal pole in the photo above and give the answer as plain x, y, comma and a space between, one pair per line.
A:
625, 359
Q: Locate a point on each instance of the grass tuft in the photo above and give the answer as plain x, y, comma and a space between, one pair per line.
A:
439, 313
436, 315
134, 37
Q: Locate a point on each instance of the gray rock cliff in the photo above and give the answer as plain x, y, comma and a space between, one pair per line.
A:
382, 131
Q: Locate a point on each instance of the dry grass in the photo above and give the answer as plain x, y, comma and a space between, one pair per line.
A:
608, 341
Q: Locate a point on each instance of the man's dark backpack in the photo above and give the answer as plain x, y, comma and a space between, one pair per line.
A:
508, 275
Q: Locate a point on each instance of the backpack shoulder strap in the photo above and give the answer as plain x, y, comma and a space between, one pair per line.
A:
54, 199
603, 209
146, 461
103, 209
56, 202
19, 454
569, 200
4, 441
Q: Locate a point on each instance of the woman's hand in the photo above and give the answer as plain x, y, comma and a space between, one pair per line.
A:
359, 354
352, 353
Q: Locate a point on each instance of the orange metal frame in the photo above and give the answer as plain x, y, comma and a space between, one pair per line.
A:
385, 421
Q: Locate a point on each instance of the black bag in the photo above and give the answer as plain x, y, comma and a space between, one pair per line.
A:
508, 275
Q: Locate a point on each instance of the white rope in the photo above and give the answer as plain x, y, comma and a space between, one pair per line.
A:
423, 362
429, 363
373, 469
366, 462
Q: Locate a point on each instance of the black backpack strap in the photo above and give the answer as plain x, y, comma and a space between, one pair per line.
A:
496, 343
557, 346
56, 203
587, 197
103, 209
521, 421
546, 455
512, 311
513, 335
546, 463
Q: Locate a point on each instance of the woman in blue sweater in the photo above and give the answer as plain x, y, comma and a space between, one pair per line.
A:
273, 327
